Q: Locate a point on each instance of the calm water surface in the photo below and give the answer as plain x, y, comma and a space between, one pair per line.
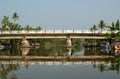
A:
26, 69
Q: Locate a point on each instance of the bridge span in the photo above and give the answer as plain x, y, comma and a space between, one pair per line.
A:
39, 34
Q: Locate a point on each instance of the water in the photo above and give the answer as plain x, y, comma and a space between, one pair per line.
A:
37, 69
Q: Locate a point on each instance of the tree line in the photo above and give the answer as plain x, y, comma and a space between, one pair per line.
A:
7, 24
114, 28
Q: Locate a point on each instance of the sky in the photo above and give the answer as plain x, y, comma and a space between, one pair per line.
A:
61, 14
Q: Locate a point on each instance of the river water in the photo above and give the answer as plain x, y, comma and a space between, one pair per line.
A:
37, 69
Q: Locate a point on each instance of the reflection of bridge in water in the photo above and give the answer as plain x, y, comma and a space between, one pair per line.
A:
57, 58
68, 56
52, 62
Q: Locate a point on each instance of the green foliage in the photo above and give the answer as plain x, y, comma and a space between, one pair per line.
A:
117, 25
38, 28
9, 25
15, 17
108, 35
5, 23
94, 28
112, 35
27, 28
114, 28
117, 35
113, 24
101, 25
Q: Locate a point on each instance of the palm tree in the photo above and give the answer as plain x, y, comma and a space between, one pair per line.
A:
28, 28
38, 28
5, 22
117, 25
15, 17
113, 24
101, 67
111, 28
91, 29
101, 25
94, 28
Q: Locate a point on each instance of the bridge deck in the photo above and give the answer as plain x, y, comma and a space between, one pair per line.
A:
50, 32
34, 34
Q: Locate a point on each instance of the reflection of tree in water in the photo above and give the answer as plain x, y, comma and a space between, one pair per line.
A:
4, 72
77, 48
6, 69
48, 51
101, 67
114, 65
96, 51
14, 51
5, 52
91, 51
13, 74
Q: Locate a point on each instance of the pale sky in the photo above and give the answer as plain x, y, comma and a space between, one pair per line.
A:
61, 14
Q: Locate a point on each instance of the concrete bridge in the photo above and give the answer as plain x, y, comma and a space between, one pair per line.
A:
38, 34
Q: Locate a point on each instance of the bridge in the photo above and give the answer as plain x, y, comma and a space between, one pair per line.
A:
36, 34
39, 34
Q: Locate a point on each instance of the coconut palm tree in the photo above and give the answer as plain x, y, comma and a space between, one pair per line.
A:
91, 29
101, 25
111, 28
94, 28
15, 17
38, 28
5, 22
27, 28
117, 25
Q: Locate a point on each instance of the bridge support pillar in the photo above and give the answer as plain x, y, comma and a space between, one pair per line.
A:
69, 42
25, 43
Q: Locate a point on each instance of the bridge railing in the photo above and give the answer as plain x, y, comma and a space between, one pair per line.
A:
49, 31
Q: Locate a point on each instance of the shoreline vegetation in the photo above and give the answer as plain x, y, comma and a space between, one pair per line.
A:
113, 29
